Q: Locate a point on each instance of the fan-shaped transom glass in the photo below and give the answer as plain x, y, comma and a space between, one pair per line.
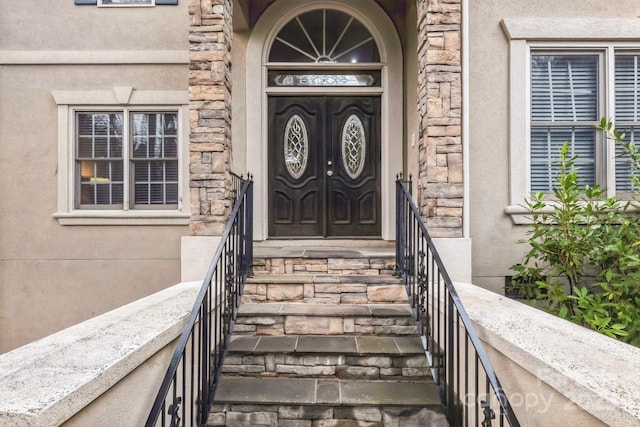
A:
296, 146
353, 146
324, 36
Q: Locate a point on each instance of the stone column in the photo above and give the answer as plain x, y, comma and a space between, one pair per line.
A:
210, 35
440, 184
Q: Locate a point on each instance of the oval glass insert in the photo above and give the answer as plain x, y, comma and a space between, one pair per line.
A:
353, 146
296, 146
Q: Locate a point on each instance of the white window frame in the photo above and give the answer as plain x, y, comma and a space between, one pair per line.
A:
119, 99
128, 160
529, 35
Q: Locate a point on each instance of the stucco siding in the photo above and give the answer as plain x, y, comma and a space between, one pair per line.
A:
493, 232
53, 276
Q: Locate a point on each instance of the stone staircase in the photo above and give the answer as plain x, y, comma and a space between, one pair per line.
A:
325, 337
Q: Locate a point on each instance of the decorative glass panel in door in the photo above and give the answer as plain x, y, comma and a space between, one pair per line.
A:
296, 146
354, 146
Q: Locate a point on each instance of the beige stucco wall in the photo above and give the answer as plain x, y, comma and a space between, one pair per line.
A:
29, 25
53, 276
411, 150
535, 403
493, 232
130, 400
238, 104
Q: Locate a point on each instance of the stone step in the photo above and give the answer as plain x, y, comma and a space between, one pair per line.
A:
325, 262
324, 319
325, 337
302, 402
325, 256
351, 357
324, 289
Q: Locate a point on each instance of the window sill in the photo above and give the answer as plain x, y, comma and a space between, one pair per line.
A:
123, 218
521, 215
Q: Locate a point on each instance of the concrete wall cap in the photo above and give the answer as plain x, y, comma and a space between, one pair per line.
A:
48, 381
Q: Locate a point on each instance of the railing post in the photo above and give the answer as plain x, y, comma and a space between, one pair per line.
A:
400, 228
249, 229
451, 393
204, 354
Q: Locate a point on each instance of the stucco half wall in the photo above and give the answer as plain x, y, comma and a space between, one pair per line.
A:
555, 373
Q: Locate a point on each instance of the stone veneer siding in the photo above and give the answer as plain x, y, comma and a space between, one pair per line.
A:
440, 183
210, 35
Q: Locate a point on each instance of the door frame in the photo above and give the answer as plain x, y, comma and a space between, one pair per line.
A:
390, 92
325, 145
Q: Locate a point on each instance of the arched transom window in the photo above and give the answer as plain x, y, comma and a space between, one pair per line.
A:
324, 36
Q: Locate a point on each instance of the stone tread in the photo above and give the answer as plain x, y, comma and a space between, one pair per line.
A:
346, 345
306, 309
298, 278
310, 391
324, 249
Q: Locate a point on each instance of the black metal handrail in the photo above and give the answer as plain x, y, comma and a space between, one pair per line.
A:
186, 393
448, 334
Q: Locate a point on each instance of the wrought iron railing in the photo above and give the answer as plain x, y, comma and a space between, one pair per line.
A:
469, 387
186, 393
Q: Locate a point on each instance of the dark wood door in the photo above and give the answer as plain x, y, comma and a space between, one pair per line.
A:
324, 166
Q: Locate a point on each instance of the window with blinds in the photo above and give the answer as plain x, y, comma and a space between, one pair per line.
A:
627, 115
99, 158
126, 160
564, 107
155, 158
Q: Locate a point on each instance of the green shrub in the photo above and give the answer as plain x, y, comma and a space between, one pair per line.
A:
584, 256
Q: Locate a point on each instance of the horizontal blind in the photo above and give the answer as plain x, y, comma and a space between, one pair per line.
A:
99, 161
564, 106
155, 158
627, 96
545, 153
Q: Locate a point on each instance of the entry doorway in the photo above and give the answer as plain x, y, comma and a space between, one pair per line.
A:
324, 166
315, 73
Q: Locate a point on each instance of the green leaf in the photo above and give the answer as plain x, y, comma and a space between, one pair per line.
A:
608, 275
564, 311
585, 234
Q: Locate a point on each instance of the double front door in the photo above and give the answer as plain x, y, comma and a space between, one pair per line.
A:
324, 166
